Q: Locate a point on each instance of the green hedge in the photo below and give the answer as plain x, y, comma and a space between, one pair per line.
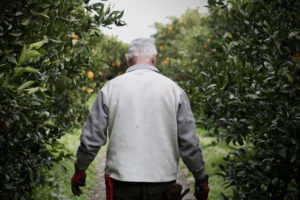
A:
40, 83
240, 67
254, 95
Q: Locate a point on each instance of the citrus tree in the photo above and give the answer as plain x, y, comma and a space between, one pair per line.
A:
109, 64
42, 55
240, 67
254, 95
184, 47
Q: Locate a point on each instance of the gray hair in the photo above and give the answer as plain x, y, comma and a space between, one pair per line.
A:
141, 47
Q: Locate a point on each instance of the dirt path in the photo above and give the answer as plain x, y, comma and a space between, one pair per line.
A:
99, 192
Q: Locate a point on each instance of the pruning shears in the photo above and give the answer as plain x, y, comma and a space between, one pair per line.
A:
184, 193
174, 192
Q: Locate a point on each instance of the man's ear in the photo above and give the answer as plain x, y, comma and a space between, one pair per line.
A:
129, 61
153, 59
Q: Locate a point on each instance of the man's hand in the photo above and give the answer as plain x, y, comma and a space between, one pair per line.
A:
78, 179
202, 189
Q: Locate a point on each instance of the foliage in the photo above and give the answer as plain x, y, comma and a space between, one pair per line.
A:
256, 77
58, 177
110, 64
240, 66
183, 48
40, 73
213, 153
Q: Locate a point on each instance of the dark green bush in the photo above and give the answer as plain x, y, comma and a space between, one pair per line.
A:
255, 95
40, 81
240, 68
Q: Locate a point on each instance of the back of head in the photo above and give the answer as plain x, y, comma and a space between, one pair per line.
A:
141, 48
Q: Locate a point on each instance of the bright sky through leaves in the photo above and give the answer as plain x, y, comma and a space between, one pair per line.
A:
140, 15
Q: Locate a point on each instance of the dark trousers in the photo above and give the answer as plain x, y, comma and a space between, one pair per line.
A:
140, 191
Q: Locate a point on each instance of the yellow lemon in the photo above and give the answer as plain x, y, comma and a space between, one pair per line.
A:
90, 75
74, 37
89, 91
166, 61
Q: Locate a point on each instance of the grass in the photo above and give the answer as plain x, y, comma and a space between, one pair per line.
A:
213, 153
59, 182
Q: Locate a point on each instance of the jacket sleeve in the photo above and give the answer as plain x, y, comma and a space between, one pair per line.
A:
94, 133
188, 141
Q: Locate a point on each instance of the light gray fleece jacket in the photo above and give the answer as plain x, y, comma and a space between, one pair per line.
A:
150, 124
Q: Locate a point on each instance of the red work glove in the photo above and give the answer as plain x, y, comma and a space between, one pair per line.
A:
78, 179
202, 189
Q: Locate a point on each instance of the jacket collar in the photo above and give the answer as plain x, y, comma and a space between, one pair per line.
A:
142, 66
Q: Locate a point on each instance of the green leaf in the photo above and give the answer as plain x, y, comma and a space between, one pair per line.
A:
32, 54
22, 56
49, 124
26, 85
25, 22
97, 5
4, 79
289, 77
294, 33
252, 96
30, 70
20, 70
211, 86
12, 59
15, 34
37, 45
18, 13
43, 15
33, 90
42, 51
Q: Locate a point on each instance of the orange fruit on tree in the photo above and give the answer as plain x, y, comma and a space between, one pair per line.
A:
90, 75
208, 39
118, 64
113, 64
89, 91
101, 73
296, 56
166, 61
161, 47
75, 37
205, 46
